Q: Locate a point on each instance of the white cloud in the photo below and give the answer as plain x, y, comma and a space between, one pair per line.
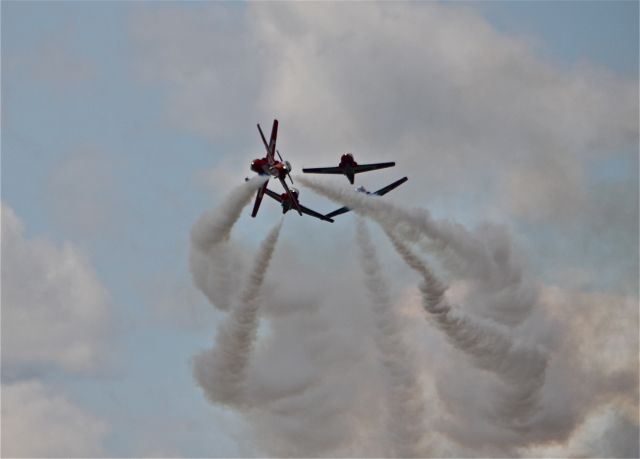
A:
39, 423
211, 61
609, 432
589, 398
55, 311
457, 104
602, 326
317, 350
436, 86
315, 360
469, 114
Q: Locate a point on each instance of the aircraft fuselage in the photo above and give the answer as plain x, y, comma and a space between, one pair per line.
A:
347, 160
287, 201
276, 169
348, 164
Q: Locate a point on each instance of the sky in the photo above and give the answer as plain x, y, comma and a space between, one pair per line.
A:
125, 122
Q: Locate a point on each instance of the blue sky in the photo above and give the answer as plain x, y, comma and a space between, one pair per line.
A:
602, 32
105, 147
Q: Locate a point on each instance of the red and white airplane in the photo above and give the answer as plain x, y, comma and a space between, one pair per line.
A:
288, 201
380, 192
269, 166
348, 166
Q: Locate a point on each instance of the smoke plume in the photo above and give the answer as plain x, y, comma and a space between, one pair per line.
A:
493, 269
214, 268
521, 368
215, 227
222, 370
316, 385
405, 403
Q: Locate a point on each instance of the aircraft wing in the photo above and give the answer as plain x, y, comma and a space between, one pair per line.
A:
372, 167
264, 141
259, 196
313, 213
386, 189
323, 170
339, 170
272, 141
274, 195
341, 210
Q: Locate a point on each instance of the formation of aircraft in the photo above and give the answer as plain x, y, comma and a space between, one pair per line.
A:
271, 167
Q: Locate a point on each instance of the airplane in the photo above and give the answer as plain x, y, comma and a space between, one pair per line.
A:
348, 166
380, 192
287, 203
269, 166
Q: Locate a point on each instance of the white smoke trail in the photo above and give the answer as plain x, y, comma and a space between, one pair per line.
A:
494, 268
405, 402
221, 370
392, 216
212, 266
520, 367
215, 227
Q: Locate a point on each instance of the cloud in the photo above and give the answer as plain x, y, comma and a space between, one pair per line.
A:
55, 311
36, 422
483, 123
434, 86
524, 385
609, 432
488, 128
437, 86
569, 326
211, 61
316, 360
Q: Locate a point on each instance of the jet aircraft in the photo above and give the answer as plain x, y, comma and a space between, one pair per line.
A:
347, 166
288, 200
269, 166
380, 192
